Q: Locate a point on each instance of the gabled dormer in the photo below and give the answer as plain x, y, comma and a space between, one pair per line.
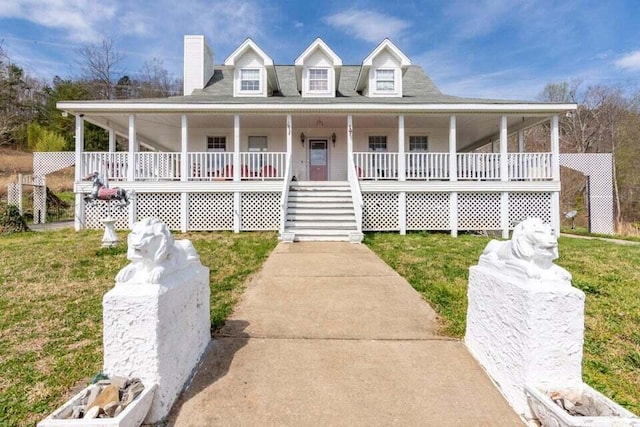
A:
318, 70
382, 71
253, 71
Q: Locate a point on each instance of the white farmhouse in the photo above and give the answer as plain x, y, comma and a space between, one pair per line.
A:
319, 150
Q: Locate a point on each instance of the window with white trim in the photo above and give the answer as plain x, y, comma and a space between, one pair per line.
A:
216, 144
250, 80
257, 143
419, 143
318, 79
378, 143
385, 80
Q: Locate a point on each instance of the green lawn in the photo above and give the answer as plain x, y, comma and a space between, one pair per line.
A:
437, 266
51, 288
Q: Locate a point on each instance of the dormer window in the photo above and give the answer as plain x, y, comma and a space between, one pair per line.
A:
385, 80
318, 79
250, 80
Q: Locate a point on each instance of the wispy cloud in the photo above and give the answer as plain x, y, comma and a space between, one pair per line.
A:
367, 25
78, 19
629, 62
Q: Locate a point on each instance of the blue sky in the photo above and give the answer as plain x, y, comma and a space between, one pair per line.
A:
485, 48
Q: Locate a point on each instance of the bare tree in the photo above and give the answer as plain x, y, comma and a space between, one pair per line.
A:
101, 66
20, 101
594, 126
156, 81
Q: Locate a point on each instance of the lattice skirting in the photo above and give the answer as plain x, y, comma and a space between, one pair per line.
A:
260, 211
380, 212
164, 206
525, 205
94, 213
428, 211
479, 211
210, 211
207, 211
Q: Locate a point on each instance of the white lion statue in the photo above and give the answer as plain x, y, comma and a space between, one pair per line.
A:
531, 251
154, 253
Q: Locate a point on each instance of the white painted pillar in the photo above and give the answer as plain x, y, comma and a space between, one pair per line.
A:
237, 196
112, 139
555, 171
133, 146
453, 164
402, 161
79, 171
504, 176
236, 147
520, 141
402, 176
453, 176
350, 144
504, 172
289, 136
131, 170
184, 173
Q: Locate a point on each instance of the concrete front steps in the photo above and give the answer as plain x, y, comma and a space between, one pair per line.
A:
321, 211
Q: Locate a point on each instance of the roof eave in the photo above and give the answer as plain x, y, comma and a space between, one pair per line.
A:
79, 107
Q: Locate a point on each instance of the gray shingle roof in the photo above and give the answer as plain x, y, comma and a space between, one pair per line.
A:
418, 88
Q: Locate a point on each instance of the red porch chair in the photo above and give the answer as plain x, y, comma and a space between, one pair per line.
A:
269, 171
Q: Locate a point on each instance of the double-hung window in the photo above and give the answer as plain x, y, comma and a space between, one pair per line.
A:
385, 80
216, 162
318, 79
378, 144
250, 80
419, 144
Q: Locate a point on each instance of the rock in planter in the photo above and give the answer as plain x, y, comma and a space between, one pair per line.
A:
577, 406
130, 416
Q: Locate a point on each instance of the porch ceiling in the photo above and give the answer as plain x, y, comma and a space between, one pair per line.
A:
162, 130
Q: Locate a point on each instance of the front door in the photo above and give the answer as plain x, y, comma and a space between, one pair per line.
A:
318, 170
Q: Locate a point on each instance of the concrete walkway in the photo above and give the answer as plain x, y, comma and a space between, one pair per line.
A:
328, 334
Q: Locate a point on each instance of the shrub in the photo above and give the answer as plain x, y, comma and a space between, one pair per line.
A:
11, 221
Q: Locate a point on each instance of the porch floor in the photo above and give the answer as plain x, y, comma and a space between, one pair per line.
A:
328, 334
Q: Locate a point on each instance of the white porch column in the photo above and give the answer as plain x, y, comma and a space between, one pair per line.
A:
504, 176
555, 172
402, 176
131, 169
350, 172
133, 146
79, 171
289, 136
520, 141
402, 161
112, 139
453, 176
504, 171
237, 196
184, 173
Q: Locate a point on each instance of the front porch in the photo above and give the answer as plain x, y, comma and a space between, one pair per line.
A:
417, 171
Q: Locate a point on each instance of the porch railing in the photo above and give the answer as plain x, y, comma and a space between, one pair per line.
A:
113, 166
155, 166
426, 166
356, 193
529, 166
376, 166
263, 165
478, 166
204, 166
284, 195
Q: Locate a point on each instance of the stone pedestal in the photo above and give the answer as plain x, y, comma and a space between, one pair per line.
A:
110, 238
158, 332
525, 331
